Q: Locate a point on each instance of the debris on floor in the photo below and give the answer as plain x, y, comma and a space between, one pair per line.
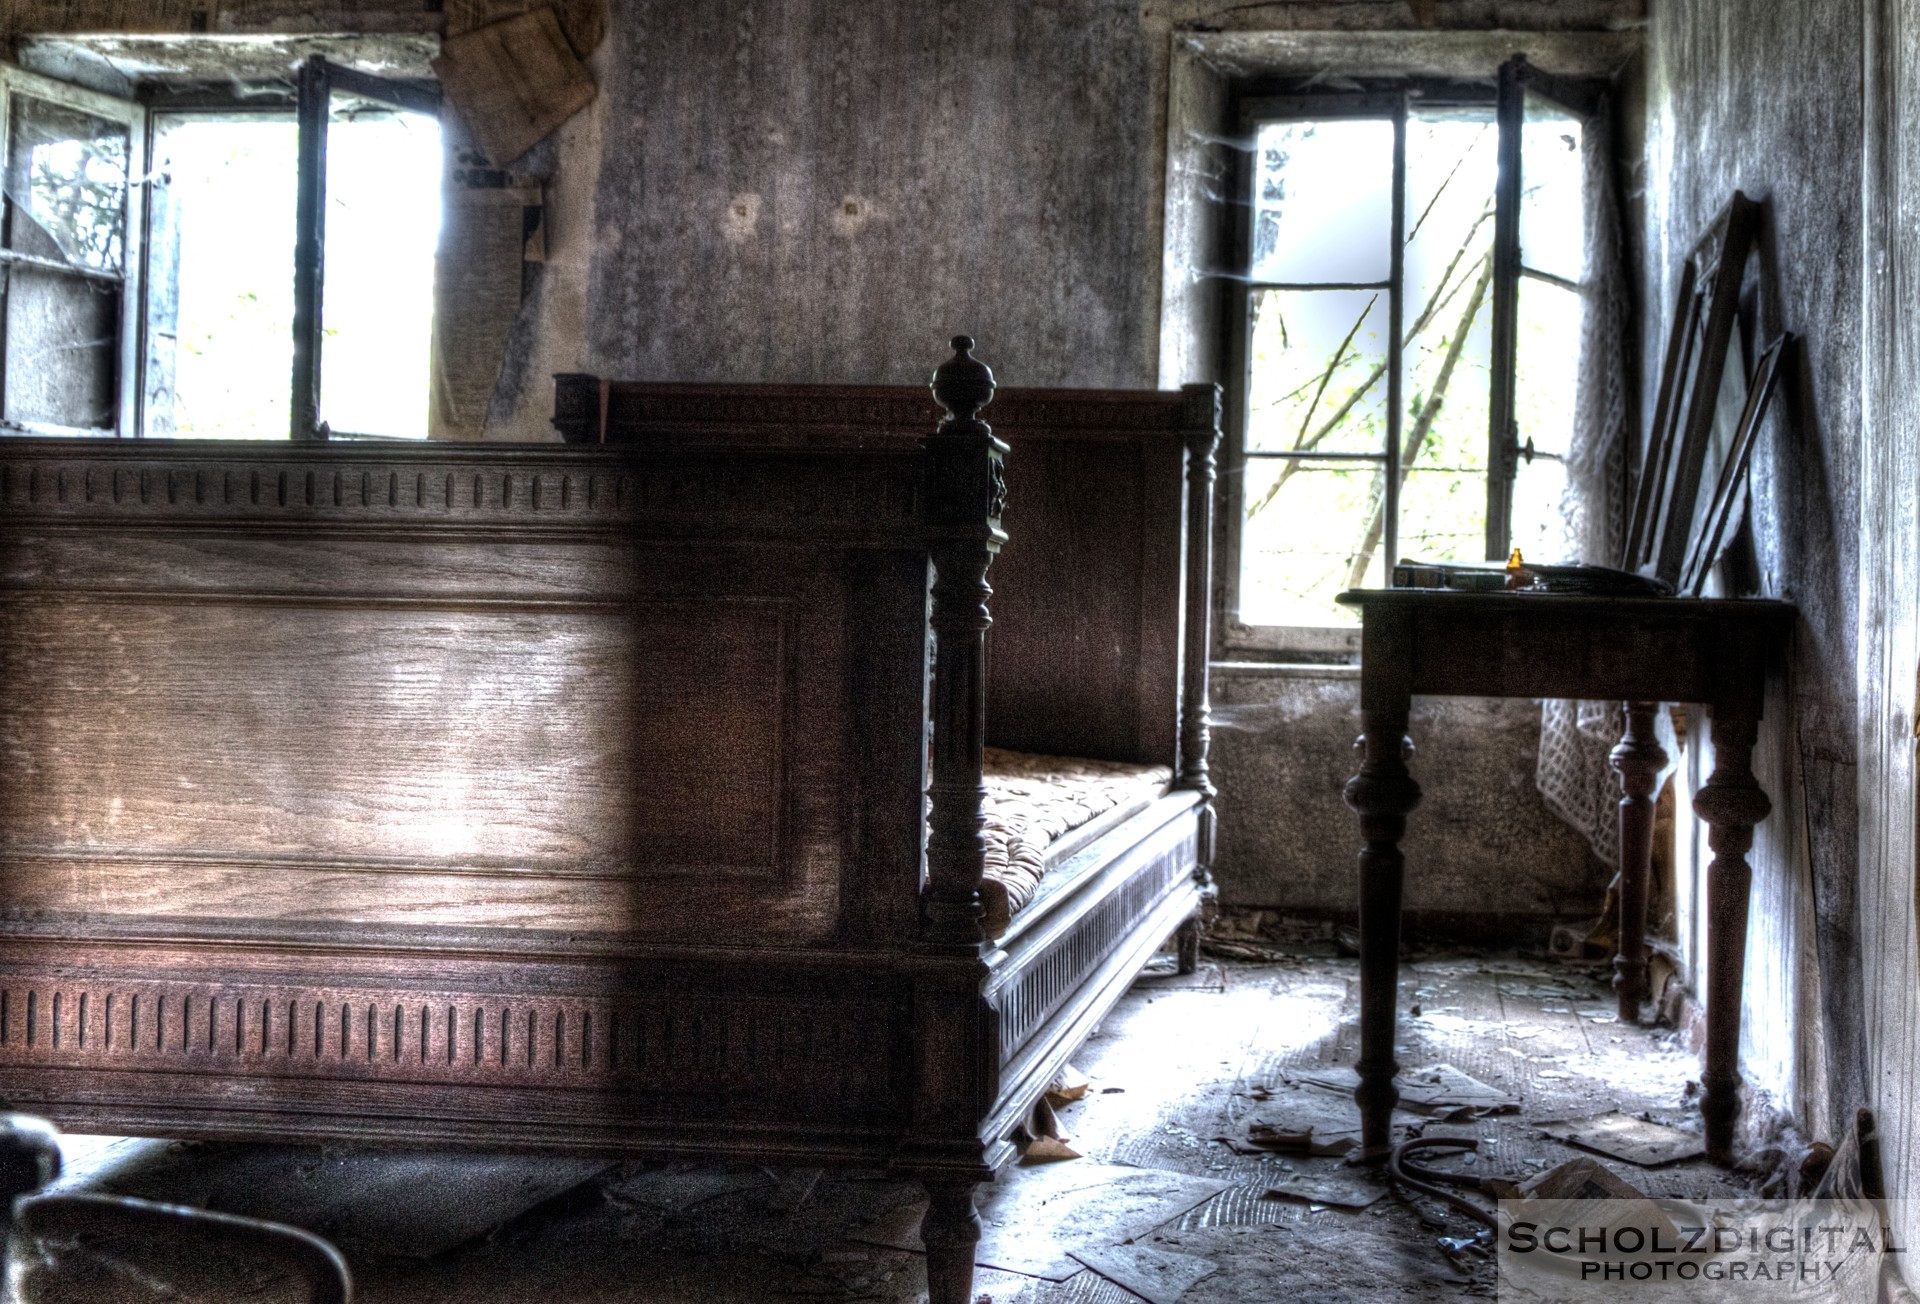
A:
673, 1188
1579, 1179
1440, 1091
1281, 1139
1031, 1226
1156, 1276
1268, 935
1043, 1140
1069, 1085
1347, 1192
1635, 1138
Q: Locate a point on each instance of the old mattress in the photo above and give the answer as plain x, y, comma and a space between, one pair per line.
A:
1034, 803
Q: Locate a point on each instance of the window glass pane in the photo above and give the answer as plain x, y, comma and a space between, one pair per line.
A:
1547, 364
1312, 529
1443, 514
1552, 206
1317, 374
67, 177
1540, 519
61, 337
383, 225
1452, 159
220, 276
1322, 201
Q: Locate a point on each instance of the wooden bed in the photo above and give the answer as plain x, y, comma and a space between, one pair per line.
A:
620, 796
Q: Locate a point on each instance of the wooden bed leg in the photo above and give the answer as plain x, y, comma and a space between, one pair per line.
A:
950, 1231
1189, 943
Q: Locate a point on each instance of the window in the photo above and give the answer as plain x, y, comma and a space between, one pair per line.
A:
1410, 308
68, 270
269, 273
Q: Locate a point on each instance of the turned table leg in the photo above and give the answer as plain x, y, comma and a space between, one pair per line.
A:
1638, 761
1731, 803
950, 1231
1381, 794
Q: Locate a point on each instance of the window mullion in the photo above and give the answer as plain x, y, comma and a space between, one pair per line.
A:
1396, 295
309, 243
1502, 432
6, 241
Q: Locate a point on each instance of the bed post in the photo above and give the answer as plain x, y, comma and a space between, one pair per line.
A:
965, 495
580, 407
955, 1039
1200, 418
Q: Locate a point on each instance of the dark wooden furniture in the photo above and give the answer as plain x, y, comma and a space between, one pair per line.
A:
575, 797
1642, 651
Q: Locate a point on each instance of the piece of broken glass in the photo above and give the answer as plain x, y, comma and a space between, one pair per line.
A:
67, 179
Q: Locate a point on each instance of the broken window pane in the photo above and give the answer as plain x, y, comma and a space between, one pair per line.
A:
66, 206
67, 178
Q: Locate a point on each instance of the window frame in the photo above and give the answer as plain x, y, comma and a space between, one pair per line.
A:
129, 364
308, 100
318, 79
1502, 91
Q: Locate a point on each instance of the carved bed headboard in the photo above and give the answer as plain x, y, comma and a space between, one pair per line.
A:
1091, 613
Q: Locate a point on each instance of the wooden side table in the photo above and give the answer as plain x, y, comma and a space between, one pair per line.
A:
1641, 651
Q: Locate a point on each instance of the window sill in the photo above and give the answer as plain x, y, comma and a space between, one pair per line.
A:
1285, 669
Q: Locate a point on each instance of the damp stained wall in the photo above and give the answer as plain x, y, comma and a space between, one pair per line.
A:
1766, 98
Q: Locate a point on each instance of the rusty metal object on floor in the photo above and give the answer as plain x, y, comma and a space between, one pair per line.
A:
1428, 1181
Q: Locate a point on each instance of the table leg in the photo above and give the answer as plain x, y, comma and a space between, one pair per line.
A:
1381, 793
1638, 761
1731, 803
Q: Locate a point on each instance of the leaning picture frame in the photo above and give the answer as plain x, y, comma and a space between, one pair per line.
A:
1719, 520
1705, 317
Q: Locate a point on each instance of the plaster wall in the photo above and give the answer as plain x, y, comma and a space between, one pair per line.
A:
1889, 583
1482, 843
1766, 97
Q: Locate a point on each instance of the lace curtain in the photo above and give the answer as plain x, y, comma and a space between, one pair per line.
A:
1576, 737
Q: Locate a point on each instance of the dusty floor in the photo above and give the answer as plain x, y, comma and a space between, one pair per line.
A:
1180, 1073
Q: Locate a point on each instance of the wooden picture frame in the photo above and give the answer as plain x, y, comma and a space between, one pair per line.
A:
1717, 523
1705, 316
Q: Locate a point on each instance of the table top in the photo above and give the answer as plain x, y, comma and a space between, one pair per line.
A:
1764, 610
1521, 644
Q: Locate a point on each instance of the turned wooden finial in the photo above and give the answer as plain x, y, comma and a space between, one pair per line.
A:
962, 384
